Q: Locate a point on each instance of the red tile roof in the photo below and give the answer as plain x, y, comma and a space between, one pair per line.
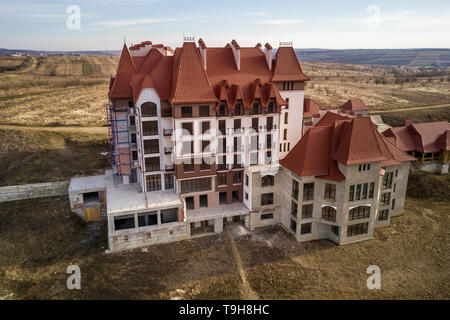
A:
354, 105
181, 78
329, 118
190, 84
423, 137
310, 109
286, 66
350, 141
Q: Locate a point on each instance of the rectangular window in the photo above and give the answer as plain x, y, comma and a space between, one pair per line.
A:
237, 144
237, 177
151, 146
237, 163
246, 196
246, 180
358, 192
351, 194
150, 128
383, 215
268, 157
203, 111
308, 191
153, 182
364, 191
266, 216
371, 190
307, 211
222, 163
195, 185
152, 164
254, 141
238, 109
269, 141
254, 158
385, 199
124, 222
188, 167
335, 230
286, 118
186, 112
169, 180
187, 128
205, 126
205, 164
285, 134
205, 146
266, 199
294, 225
357, 229
222, 127
221, 179
393, 204
305, 228
269, 123
295, 187
169, 215
330, 191
147, 219
237, 125
294, 208
256, 108
387, 180
188, 147
255, 124
361, 212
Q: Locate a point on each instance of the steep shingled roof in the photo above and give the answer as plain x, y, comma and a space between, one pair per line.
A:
350, 141
287, 67
311, 108
182, 78
423, 137
354, 105
191, 83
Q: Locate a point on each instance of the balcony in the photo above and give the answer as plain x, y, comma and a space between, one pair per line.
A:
169, 168
168, 150
167, 132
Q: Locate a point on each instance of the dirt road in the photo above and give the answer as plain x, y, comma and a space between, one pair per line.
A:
437, 106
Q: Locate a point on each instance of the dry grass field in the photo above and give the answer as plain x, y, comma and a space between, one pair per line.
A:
413, 254
381, 88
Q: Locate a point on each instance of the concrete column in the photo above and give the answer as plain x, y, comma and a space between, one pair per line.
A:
248, 225
136, 222
218, 225
158, 215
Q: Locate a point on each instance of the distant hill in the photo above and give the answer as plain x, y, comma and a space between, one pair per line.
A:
386, 57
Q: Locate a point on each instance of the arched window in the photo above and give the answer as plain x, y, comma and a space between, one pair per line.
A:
329, 213
267, 181
360, 212
149, 109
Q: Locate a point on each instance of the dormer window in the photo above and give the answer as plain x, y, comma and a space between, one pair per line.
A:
271, 107
238, 109
255, 109
222, 110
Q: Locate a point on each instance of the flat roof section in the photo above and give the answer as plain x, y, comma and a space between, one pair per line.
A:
225, 210
126, 198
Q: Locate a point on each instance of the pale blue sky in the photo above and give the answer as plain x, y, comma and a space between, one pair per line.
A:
41, 25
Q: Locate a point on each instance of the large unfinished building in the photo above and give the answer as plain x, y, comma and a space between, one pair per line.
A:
197, 134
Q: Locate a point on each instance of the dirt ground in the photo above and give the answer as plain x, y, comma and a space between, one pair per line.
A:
40, 238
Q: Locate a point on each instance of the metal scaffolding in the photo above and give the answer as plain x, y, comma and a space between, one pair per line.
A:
120, 144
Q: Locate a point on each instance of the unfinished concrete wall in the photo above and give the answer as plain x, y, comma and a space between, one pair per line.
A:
36, 190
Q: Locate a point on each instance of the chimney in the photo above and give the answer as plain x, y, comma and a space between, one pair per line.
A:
268, 54
237, 53
202, 50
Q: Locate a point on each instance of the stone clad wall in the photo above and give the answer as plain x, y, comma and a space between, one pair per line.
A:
36, 190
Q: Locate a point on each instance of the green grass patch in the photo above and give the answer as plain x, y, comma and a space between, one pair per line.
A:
86, 70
